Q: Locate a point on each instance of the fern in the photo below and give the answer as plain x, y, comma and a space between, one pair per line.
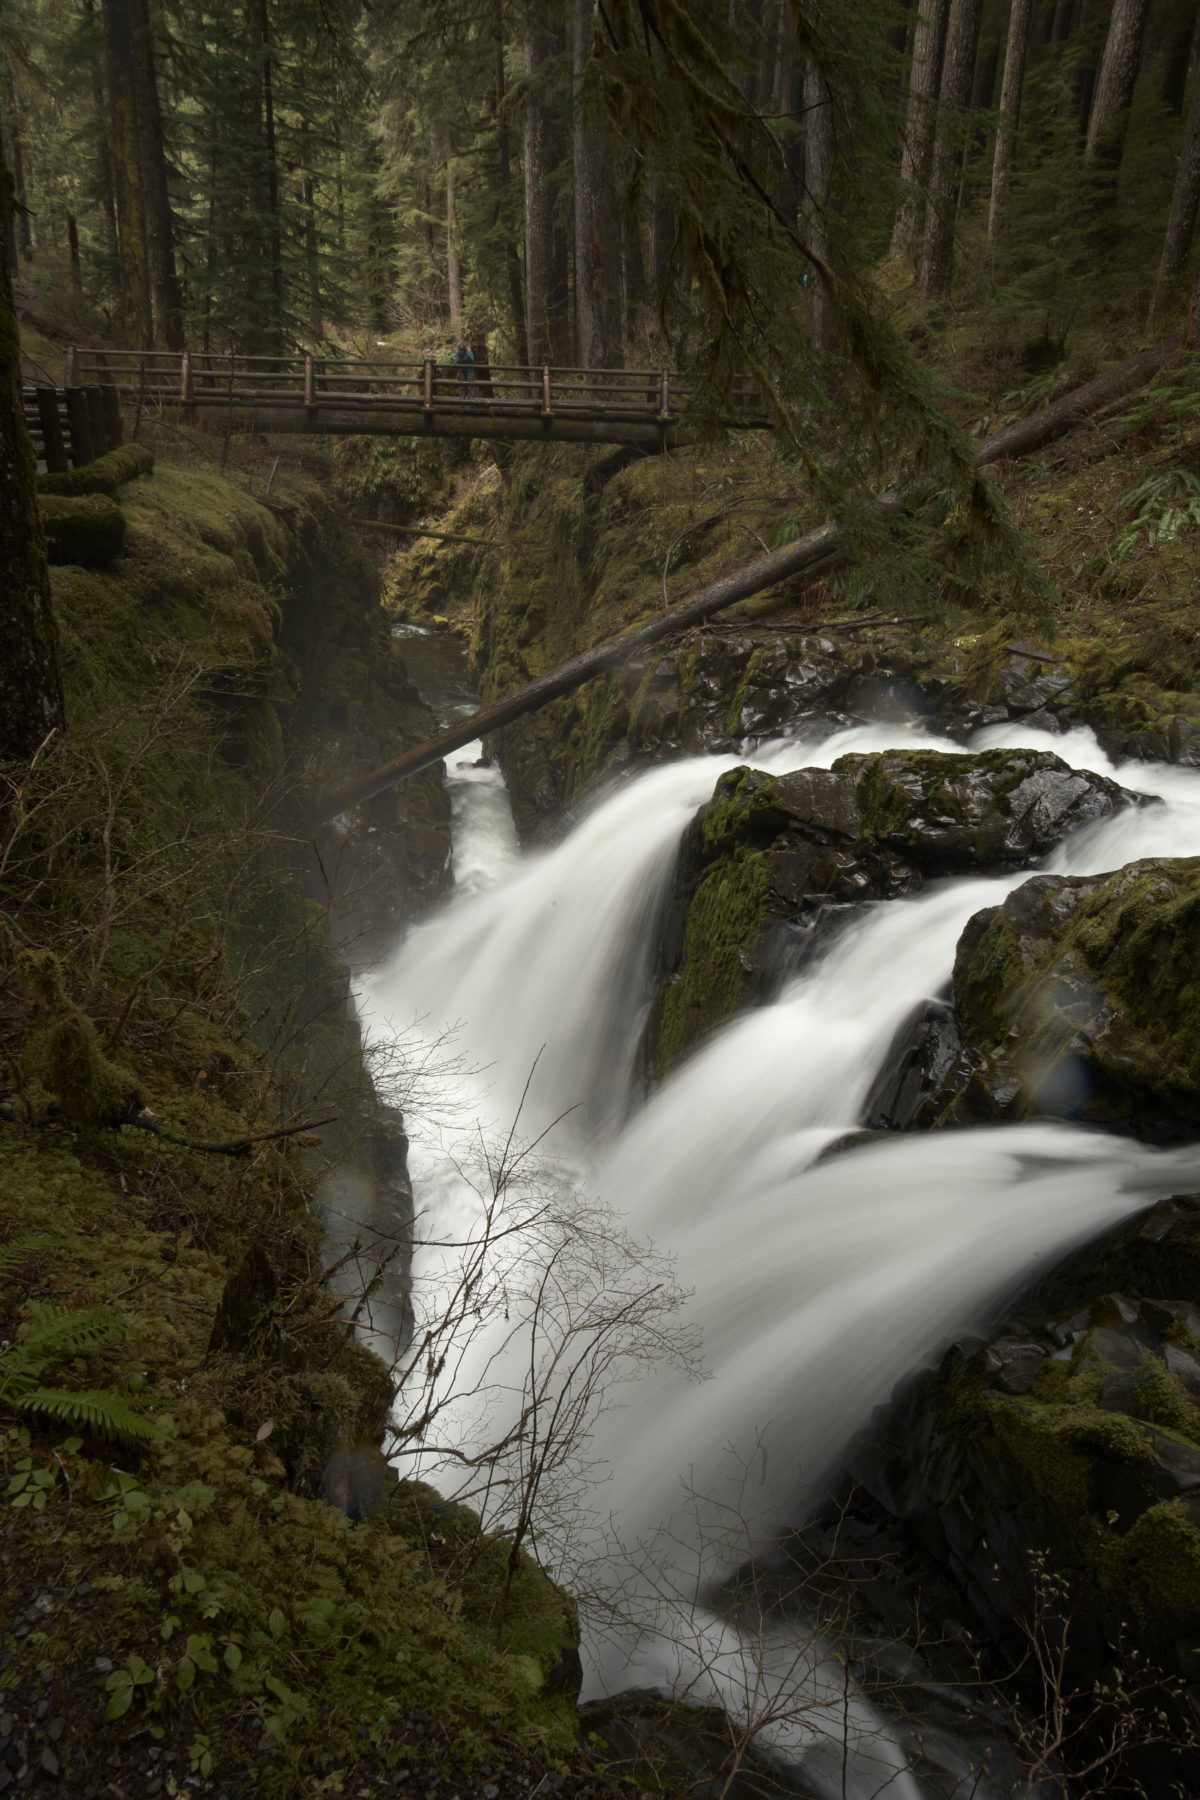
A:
1164, 506
54, 1334
18, 1250
100, 1411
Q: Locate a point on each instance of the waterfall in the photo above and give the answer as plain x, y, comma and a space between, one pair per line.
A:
817, 1284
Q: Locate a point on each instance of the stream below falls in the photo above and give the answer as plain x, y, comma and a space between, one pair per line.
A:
552, 1196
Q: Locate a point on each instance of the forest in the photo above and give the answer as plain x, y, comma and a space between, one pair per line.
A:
598, 186
600, 899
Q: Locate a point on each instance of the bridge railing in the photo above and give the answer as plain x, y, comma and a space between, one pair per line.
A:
211, 379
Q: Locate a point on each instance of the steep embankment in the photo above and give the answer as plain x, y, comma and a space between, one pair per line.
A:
188, 1429
588, 543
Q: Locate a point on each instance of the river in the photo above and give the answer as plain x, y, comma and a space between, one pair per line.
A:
552, 1199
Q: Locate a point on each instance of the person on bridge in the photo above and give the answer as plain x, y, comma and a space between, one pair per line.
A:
464, 357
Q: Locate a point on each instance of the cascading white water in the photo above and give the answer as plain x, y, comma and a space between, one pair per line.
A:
816, 1287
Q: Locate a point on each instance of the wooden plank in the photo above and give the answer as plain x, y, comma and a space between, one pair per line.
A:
54, 443
82, 449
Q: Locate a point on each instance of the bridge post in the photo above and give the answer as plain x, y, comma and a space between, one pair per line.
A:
82, 449
310, 384
547, 409
185, 378
54, 447
114, 426
71, 373
97, 420
664, 394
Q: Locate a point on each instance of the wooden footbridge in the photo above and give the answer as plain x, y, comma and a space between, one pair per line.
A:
340, 396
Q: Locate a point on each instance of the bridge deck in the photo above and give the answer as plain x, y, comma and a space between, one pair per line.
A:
340, 396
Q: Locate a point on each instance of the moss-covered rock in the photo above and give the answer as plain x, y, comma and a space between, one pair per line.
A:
771, 856
1055, 1471
1077, 997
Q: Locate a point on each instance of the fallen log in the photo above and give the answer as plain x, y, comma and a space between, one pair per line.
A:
423, 531
812, 555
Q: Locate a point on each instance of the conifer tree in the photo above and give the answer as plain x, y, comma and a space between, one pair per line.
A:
31, 704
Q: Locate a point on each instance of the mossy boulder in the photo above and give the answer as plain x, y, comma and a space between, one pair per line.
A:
503, 1592
1078, 997
670, 1747
1058, 1464
89, 532
769, 862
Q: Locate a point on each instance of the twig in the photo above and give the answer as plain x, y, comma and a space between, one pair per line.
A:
234, 1146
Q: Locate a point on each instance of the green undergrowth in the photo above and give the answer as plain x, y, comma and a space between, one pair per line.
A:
179, 1388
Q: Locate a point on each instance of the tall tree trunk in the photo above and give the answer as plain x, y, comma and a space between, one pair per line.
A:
100, 127
16, 141
166, 295
958, 60
546, 288
274, 336
819, 152
135, 316
1185, 199
31, 703
1010, 112
454, 278
918, 125
598, 270
1114, 87
512, 250
312, 248
9, 220
73, 254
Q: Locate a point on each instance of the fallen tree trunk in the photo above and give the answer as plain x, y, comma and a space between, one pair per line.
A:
809, 556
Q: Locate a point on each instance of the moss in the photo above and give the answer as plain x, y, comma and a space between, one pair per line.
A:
726, 913
1155, 1568
90, 532
1111, 965
103, 476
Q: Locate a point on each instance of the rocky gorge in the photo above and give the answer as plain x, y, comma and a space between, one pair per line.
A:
1061, 1449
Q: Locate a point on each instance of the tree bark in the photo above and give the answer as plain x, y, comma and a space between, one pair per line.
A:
274, 334
820, 148
134, 309
598, 271
546, 290
809, 557
31, 703
512, 251
454, 277
918, 125
1185, 199
1010, 112
958, 62
23, 217
166, 294
1114, 87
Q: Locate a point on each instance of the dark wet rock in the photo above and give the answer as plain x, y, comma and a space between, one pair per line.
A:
668, 1748
1077, 998
770, 855
1073, 1433
923, 1064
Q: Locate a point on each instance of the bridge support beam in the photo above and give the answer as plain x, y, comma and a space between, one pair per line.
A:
326, 421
